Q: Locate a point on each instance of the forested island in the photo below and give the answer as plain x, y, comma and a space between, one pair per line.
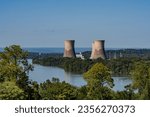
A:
16, 84
118, 67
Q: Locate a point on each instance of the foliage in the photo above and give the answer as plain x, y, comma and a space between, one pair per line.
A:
99, 73
127, 94
9, 90
120, 66
82, 93
98, 82
14, 64
14, 67
55, 90
141, 79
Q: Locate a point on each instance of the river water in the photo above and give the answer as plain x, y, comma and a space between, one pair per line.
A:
42, 73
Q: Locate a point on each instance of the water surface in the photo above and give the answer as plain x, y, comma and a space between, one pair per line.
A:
42, 73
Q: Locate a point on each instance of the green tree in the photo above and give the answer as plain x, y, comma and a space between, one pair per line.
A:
127, 94
9, 90
82, 93
99, 82
55, 90
14, 64
14, 67
141, 79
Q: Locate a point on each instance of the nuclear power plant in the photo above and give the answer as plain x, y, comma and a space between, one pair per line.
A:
69, 50
98, 50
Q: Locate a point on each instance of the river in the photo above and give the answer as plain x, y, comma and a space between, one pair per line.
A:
42, 73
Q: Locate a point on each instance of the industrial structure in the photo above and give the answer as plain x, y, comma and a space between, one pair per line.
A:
80, 56
98, 50
69, 50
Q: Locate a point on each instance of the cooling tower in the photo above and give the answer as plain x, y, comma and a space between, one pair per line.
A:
69, 49
98, 50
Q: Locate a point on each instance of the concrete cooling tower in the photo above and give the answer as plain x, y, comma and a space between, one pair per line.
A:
98, 50
69, 49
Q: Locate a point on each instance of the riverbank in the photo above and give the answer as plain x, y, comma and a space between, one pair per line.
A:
42, 73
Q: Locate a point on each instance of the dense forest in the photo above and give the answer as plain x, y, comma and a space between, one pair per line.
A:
15, 83
118, 67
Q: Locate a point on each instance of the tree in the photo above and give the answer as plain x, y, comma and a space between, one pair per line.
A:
55, 90
99, 82
141, 79
14, 67
14, 63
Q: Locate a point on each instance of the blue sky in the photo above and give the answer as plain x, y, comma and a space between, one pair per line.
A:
47, 23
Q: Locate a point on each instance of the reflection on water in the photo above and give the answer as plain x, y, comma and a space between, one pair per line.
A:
42, 73
74, 79
120, 82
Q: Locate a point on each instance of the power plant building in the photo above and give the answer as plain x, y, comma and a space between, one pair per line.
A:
69, 50
98, 50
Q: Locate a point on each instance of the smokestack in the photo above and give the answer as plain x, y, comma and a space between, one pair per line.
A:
98, 50
69, 49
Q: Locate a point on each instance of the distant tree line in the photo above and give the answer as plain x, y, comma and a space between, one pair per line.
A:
118, 67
